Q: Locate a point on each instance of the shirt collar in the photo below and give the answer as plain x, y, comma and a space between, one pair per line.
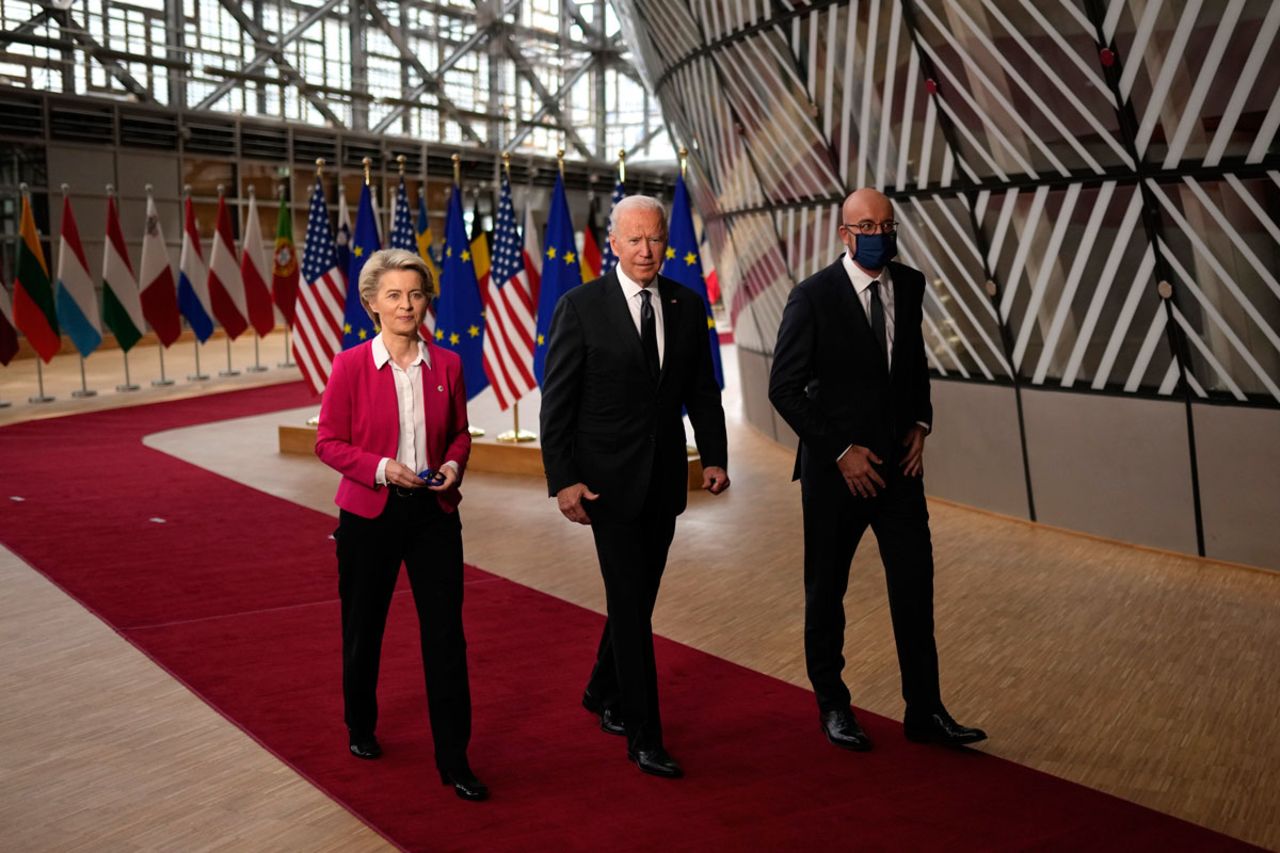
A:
862, 280
381, 355
630, 287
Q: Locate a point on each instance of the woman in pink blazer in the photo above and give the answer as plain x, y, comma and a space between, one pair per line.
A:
393, 422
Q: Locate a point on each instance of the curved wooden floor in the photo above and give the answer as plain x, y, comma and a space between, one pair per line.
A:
1150, 676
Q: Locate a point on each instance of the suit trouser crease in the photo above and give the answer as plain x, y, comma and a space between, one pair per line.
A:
834, 522
632, 556
414, 532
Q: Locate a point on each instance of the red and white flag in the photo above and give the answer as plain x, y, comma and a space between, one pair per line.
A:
532, 255
254, 269
159, 290
509, 309
226, 288
317, 328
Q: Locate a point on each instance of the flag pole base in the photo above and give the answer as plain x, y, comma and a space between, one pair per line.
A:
476, 432
160, 383
285, 364
228, 373
198, 377
512, 436
81, 393
4, 404
128, 387
257, 368
40, 398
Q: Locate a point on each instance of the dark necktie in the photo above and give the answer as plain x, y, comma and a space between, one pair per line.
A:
649, 334
877, 321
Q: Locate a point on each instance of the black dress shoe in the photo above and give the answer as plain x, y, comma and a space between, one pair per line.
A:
842, 729
655, 762
365, 746
610, 722
465, 784
939, 728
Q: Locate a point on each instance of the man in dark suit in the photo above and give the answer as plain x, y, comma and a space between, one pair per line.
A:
851, 378
626, 352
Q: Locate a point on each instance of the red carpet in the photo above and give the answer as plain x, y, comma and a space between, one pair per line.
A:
235, 593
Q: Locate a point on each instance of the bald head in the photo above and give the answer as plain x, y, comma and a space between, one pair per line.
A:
867, 203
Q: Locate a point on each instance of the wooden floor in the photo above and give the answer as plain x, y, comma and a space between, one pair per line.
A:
1150, 676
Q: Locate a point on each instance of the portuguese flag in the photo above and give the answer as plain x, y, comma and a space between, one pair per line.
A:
284, 271
33, 311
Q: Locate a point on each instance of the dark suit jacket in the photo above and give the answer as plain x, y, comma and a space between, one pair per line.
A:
605, 422
829, 379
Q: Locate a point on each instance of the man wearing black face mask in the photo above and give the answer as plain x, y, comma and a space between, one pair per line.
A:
851, 378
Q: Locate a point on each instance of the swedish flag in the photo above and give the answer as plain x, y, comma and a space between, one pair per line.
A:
356, 325
683, 265
560, 271
459, 312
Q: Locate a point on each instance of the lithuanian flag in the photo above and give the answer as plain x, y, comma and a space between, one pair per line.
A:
33, 311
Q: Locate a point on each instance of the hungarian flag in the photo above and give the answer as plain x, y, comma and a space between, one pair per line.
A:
284, 270
159, 291
8, 334
78, 312
253, 271
591, 258
121, 303
33, 311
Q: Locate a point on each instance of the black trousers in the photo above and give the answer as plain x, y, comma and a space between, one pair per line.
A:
834, 521
633, 555
428, 541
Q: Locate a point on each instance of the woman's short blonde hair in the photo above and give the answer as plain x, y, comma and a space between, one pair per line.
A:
384, 261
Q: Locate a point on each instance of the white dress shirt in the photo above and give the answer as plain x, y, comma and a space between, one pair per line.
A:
861, 281
412, 449
631, 290
862, 286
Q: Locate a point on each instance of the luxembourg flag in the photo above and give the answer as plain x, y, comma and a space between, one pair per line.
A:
226, 288
193, 289
77, 304
254, 271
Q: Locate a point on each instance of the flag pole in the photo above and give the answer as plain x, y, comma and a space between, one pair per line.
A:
128, 383
195, 339
622, 165
475, 431
40, 396
85, 390
230, 371
163, 380
515, 435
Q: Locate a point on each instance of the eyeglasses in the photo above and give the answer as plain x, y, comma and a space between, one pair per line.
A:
868, 227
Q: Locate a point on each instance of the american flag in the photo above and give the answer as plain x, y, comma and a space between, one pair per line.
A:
509, 307
317, 329
608, 260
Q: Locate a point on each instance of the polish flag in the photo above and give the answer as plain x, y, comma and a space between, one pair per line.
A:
254, 269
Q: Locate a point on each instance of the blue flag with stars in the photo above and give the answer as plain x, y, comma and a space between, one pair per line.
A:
402, 234
459, 311
357, 327
561, 271
683, 265
608, 260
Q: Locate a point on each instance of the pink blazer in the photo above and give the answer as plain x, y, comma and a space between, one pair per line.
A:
360, 424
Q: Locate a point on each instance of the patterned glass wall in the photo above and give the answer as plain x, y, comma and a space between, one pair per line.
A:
1092, 187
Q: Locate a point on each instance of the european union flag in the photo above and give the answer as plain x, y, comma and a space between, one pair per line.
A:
608, 260
357, 327
560, 271
682, 265
459, 311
